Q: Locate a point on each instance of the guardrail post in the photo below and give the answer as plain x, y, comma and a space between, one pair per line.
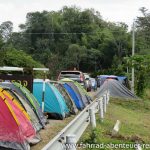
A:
101, 112
105, 103
92, 117
70, 142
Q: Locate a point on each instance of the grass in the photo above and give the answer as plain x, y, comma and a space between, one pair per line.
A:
135, 123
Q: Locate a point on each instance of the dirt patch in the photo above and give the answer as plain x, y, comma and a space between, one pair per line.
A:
51, 131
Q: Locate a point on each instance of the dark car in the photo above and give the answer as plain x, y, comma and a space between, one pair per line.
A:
73, 75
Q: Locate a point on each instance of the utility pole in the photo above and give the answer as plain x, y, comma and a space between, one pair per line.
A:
133, 51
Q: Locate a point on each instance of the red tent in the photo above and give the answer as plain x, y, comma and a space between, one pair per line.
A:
16, 131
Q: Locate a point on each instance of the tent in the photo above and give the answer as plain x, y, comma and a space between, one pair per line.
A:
81, 95
78, 102
34, 119
16, 130
34, 103
69, 101
83, 91
53, 100
116, 89
26, 103
104, 77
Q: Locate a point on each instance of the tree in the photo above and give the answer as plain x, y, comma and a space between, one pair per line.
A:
72, 37
6, 30
74, 54
1, 42
143, 32
17, 58
141, 63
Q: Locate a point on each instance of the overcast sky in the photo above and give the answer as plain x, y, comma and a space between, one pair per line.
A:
111, 10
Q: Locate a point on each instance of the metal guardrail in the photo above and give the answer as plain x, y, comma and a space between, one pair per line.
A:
78, 125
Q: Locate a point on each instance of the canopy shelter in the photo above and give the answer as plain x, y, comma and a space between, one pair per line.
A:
54, 102
116, 89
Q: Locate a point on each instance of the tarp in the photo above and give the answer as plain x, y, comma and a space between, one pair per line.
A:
116, 89
53, 101
78, 102
123, 80
69, 101
104, 77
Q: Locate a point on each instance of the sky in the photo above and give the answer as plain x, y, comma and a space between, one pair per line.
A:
111, 10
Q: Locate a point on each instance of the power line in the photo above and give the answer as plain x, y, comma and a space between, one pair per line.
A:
61, 33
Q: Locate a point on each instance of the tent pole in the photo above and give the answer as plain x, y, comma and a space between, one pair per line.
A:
43, 92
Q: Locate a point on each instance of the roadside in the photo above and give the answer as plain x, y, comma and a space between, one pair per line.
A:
135, 124
51, 131
54, 127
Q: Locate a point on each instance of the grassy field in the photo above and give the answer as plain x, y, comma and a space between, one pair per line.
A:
135, 123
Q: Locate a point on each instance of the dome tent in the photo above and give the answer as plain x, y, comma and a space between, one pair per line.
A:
69, 101
81, 93
34, 103
78, 102
16, 129
54, 102
35, 112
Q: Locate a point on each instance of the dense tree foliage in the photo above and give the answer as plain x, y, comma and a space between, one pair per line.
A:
72, 37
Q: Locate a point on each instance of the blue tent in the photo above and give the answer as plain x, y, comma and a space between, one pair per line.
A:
78, 102
53, 100
122, 78
104, 77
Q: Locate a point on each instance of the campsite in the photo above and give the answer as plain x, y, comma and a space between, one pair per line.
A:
26, 113
74, 74
63, 100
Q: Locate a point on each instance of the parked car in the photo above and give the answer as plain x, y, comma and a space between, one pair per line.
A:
73, 75
94, 83
88, 85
